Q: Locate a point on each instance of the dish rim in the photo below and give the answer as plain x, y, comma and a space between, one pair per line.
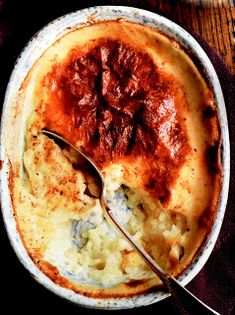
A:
47, 36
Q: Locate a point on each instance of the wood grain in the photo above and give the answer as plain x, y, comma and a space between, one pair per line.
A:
214, 21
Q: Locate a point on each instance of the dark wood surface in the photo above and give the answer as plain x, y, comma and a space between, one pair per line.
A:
213, 20
19, 21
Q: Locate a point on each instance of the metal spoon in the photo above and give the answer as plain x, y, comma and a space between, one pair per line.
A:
186, 302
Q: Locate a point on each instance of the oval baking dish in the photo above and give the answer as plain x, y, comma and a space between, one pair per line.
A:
14, 119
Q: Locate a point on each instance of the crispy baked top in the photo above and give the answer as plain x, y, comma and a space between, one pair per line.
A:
118, 103
136, 102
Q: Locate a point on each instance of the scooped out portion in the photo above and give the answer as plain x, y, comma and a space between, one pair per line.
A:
134, 101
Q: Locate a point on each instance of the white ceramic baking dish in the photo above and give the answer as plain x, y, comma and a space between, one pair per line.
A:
34, 49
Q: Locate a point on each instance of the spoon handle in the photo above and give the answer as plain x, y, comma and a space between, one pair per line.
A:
190, 303
185, 301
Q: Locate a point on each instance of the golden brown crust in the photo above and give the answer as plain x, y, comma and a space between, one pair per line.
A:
136, 287
111, 100
194, 192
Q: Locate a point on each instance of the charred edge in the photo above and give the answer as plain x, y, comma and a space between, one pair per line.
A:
209, 112
205, 218
11, 185
212, 157
135, 283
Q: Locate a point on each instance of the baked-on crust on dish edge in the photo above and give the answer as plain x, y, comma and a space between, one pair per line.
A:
133, 99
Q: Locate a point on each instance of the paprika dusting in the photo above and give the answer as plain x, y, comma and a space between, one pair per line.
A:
118, 103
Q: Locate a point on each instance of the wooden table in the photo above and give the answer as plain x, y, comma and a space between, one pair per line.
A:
213, 20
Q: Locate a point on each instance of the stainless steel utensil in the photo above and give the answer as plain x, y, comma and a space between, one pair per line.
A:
186, 302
